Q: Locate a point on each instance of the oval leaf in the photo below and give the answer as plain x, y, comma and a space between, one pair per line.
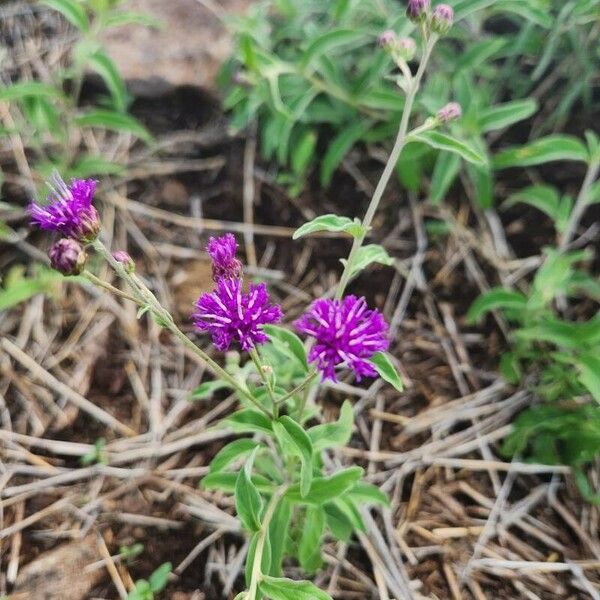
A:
387, 371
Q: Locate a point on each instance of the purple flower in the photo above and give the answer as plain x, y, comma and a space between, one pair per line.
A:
346, 331
442, 18
222, 250
417, 9
229, 314
67, 256
387, 39
451, 112
70, 211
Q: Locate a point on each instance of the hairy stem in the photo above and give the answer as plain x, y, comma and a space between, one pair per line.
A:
111, 288
260, 544
413, 88
263, 377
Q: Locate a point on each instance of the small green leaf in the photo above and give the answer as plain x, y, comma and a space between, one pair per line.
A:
366, 255
304, 152
288, 342
265, 563
341, 144
114, 121
328, 223
207, 389
72, 10
116, 19
278, 534
89, 166
248, 420
309, 548
159, 579
331, 435
230, 453
445, 171
386, 369
367, 493
288, 589
287, 428
248, 502
325, 489
105, 67
497, 298
504, 115
548, 149
443, 141
589, 373
28, 89
330, 42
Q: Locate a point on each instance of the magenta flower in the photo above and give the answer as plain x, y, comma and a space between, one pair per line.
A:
125, 260
345, 331
451, 112
222, 250
442, 18
417, 9
229, 314
70, 211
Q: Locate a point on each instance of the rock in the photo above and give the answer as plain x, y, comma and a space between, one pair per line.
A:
188, 49
61, 573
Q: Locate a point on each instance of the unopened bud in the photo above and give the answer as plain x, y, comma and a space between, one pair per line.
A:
406, 48
442, 19
267, 370
451, 112
67, 256
387, 40
126, 261
417, 10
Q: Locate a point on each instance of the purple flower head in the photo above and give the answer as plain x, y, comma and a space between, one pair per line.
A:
229, 314
442, 19
451, 112
346, 331
67, 256
70, 211
222, 250
406, 48
417, 9
126, 261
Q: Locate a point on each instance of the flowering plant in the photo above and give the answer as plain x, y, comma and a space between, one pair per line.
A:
287, 496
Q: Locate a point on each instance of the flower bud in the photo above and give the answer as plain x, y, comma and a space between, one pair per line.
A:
387, 40
442, 19
67, 256
417, 10
451, 112
406, 48
126, 261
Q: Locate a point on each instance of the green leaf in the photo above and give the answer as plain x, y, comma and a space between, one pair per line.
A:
304, 152
443, 141
248, 503
329, 42
29, 89
447, 166
114, 121
497, 298
287, 342
366, 255
207, 389
116, 19
325, 489
338, 522
88, 166
18, 289
72, 10
230, 453
226, 481
328, 223
289, 589
367, 493
106, 68
159, 579
341, 144
285, 427
386, 369
266, 559
542, 197
309, 548
278, 534
505, 115
331, 435
248, 420
589, 373
548, 149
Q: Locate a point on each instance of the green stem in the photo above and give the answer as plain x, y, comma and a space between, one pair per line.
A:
299, 387
111, 288
388, 170
263, 377
263, 533
147, 298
